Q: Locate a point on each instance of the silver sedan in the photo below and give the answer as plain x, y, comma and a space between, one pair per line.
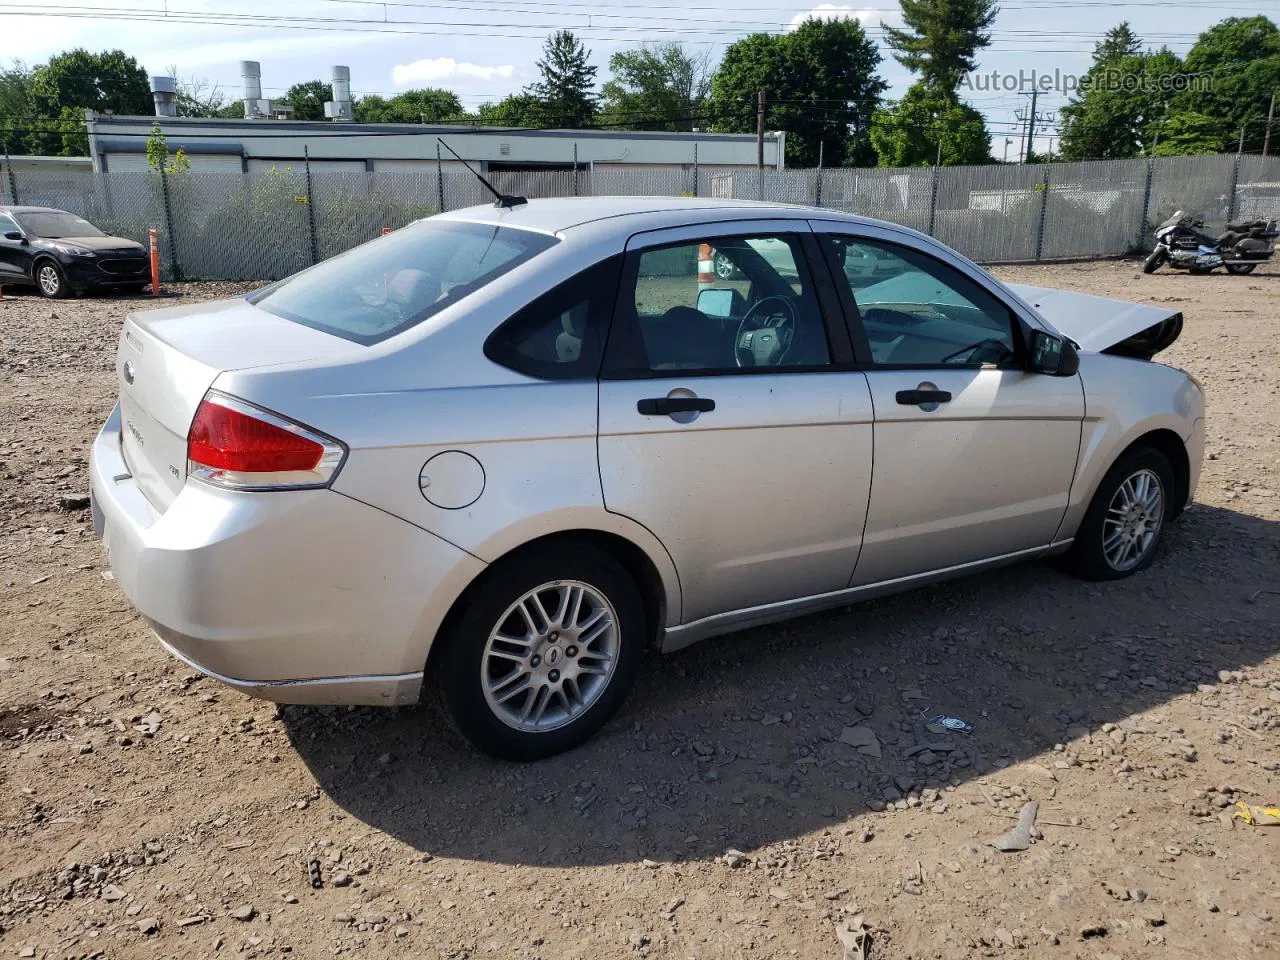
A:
504, 450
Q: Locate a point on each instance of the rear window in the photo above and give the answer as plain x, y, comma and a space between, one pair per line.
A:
395, 282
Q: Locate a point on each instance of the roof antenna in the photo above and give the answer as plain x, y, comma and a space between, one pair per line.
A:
504, 201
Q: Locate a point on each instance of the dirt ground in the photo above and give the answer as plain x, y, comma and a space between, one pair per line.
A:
147, 812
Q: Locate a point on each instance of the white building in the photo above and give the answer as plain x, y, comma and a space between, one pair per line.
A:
250, 146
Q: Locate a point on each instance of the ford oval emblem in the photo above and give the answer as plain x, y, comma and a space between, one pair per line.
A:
128, 371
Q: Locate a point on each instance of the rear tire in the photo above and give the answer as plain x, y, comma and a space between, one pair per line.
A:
1240, 269
1152, 263
51, 281
522, 686
1122, 529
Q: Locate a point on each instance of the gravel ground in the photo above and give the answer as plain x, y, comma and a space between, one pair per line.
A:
147, 812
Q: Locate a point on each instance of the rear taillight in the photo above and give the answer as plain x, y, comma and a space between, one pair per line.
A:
234, 444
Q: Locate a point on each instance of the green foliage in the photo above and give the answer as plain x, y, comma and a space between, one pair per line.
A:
565, 91
429, 105
1241, 56
821, 86
516, 110
16, 106
158, 157
659, 87
73, 136
909, 132
1188, 132
77, 80
1122, 101
941, 38
308, 99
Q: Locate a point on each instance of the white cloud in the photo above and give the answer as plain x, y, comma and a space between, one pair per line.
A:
445, 68
832, 11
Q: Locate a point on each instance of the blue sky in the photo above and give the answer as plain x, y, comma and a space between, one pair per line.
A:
484, 49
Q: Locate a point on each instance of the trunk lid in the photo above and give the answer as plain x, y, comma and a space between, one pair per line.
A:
168, 359
1103, 325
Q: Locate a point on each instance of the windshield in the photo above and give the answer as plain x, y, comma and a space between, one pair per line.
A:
55, 224
395, 282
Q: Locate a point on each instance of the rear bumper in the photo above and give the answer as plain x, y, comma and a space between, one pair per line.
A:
303, 596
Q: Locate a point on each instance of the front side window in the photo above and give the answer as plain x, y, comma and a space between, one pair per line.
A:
917, 311
7, 225
730, 303
56, 225
393, 283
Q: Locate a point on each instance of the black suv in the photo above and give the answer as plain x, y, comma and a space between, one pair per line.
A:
61, 254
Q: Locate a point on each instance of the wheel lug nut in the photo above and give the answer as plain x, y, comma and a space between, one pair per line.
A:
554, 676
536, 661
571, 652
553, 636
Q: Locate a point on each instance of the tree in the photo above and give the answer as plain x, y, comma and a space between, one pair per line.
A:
1119, 41
1240, 56
941, 39
927, 126
16, 106
308, 99
429, 105
1188, 132
564, 91
159, 158
659, 87
77, 80
1121, 99
821, 88
516, 110
199, 96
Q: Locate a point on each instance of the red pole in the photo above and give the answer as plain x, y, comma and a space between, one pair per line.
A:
155, 263
385, 231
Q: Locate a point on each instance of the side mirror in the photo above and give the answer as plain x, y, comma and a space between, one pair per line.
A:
1055, 356
15, 235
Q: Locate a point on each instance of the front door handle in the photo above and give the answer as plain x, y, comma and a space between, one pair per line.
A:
664, 406
915, 398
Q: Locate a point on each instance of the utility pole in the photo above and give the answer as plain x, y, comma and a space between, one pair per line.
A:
1031, 125
1007, 141
1271, 113
760, 130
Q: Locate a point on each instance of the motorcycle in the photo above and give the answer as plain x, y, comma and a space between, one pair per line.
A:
1180, 243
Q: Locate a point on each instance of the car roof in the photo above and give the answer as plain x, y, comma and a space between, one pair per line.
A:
631, 214
11, 209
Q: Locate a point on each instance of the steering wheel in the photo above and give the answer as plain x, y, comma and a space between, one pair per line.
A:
765, 333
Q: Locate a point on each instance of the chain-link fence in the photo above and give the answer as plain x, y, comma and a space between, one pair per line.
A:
268, 224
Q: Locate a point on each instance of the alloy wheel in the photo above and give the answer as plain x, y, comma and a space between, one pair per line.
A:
550, 656
1133, 520
48, 278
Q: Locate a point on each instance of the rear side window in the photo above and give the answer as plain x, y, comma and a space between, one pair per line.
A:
385, 287
560, 335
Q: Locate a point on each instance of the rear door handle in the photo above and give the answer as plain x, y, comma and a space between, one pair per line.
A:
663, 406
914, 398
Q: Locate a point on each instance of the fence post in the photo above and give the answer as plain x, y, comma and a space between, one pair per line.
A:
817, 178
1044, 203
933, 199
439, 181
1235, 182
695, 169
175, 267
575, 168
13, 183
1146, 205
311, 207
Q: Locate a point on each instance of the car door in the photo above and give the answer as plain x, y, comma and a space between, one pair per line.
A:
14, 254
732, 422
974, 455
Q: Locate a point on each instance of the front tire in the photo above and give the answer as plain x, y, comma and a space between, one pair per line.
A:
1152, 263
545, 651
51, 281
724, 267
1240, 269
1123, 526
